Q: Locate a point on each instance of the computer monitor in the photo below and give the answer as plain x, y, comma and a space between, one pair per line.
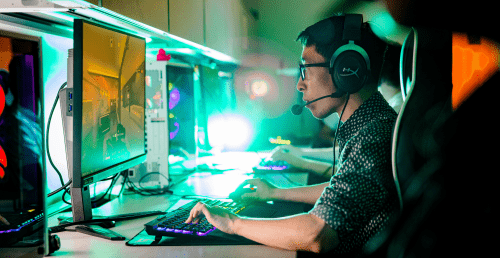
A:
22, 173
103, 108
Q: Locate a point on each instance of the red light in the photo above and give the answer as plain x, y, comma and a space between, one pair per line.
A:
3, 157
3, 162
2, 100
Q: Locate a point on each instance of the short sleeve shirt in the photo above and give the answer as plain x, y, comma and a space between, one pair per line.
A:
362, 194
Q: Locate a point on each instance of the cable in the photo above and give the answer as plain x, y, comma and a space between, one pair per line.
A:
147, 192
337, 132
60, 188
64, 186
114, 178
67, 190
47, 138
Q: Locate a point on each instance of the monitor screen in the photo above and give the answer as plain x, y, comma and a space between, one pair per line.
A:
112, 103
108, 108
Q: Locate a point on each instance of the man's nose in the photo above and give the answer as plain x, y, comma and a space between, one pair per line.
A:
301, 86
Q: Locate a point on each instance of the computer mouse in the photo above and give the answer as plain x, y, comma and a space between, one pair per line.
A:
236, 195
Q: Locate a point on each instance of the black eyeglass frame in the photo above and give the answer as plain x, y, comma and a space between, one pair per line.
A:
303, 66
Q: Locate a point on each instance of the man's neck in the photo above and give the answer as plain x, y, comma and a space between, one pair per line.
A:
354, 102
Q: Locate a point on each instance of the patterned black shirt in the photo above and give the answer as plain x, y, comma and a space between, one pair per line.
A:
362, 194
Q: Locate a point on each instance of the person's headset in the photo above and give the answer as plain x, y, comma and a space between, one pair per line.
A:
350, 64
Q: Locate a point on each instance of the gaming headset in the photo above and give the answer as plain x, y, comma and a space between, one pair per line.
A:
350, 64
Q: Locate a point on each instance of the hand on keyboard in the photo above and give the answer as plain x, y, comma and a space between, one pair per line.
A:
174, 222
286, 153
219, 217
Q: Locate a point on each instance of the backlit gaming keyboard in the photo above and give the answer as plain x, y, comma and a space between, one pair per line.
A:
172, 223
271, 166
21, 224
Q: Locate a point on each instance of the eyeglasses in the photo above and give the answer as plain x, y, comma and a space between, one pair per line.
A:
302, 68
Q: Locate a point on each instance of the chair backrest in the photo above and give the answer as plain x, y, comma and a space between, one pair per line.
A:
426, 84
443, 160
427, 102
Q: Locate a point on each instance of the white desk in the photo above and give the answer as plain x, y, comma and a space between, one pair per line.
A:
74, 244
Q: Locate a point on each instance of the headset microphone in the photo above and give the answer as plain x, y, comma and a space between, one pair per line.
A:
297, 109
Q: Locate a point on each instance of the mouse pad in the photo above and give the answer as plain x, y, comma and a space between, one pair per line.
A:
143, 239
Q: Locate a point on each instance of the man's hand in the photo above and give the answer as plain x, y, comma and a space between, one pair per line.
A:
265, 191
4, 220
217, 216
292, 155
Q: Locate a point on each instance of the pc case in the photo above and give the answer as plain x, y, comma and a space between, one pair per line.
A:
154, 172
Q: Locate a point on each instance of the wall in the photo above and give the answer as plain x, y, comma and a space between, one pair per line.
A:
223, 25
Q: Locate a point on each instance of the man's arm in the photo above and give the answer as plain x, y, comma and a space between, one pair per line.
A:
320, 168
298, 232
268, 192
304, 194
306, 158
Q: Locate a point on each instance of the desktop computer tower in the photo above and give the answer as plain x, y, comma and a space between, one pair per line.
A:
154, 173
22, 149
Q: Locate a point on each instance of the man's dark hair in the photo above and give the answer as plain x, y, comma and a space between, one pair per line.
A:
390, 66
326, 35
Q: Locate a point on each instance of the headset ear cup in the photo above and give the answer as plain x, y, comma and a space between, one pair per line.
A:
349, 71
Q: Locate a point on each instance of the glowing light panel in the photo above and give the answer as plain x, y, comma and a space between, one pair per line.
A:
174, 98
174, 133
229, 131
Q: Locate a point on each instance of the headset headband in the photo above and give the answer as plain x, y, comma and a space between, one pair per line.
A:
352, 27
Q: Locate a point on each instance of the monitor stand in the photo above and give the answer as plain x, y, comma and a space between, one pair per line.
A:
95, 225
99, 225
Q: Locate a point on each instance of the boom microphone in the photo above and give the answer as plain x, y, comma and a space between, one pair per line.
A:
297, 109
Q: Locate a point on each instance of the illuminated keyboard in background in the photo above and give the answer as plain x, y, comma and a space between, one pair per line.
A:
271, 166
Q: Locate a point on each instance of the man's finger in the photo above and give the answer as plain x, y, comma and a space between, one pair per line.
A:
194, 213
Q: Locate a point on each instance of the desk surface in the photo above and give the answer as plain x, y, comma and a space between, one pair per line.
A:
215, 185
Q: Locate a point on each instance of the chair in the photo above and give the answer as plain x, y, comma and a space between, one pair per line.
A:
426, 86
443, 160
